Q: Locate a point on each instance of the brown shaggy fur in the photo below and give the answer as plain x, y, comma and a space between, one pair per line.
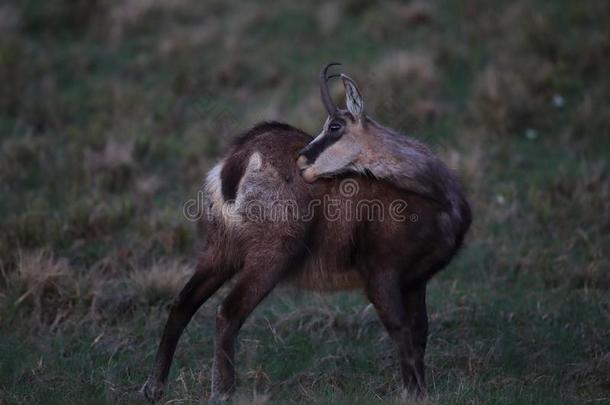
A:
322, 245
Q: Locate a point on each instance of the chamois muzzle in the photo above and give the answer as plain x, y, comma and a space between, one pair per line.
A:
304, 163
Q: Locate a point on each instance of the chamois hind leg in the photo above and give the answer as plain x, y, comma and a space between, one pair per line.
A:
414, 299
384, 291
260, 275
208, 278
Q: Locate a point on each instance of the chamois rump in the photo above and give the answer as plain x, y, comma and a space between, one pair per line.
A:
390, 258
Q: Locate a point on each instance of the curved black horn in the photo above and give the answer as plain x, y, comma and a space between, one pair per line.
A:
324, 93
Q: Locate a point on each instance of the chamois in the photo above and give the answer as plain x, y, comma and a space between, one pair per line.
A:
361, 206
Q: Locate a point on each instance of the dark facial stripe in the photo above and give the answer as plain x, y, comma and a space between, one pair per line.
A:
314, 149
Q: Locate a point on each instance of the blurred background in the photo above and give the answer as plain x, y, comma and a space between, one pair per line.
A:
111, 112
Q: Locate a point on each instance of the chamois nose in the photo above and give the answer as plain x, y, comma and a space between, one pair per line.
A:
302, 162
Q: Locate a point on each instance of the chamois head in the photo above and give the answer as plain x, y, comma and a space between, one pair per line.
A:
342, 144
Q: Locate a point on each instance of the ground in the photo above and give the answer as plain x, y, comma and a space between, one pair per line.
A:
112, 112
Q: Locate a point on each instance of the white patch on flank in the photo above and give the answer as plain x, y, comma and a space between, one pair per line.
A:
244, 190
213, 185
228, 212
213, 191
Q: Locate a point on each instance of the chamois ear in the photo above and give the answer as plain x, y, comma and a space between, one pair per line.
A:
353, 99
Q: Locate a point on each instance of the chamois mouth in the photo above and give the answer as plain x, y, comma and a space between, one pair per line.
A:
308, 175
307, 172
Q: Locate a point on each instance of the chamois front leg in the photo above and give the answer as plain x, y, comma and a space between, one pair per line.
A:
259, 276
208, 278
384, 292
414, 298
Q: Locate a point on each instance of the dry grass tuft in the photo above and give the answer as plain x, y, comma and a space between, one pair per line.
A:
115, 154
468, 159
114, 299
162, 281
45, 285
401, 66
501, 100
113, 167
41, 274
255, 399
576, 209
410, 97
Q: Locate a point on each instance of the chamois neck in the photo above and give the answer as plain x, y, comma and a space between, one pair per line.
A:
408, 164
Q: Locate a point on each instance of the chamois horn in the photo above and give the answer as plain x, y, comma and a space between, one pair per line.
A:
324, 93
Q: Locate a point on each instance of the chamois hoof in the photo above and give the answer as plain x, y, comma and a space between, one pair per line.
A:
152, 390
409, 396
219, 398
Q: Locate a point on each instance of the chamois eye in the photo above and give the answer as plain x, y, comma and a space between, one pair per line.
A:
334, 127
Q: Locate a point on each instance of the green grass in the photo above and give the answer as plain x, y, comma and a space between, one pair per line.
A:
111, 113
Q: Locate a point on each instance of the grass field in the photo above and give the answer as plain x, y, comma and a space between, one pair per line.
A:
111, 112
